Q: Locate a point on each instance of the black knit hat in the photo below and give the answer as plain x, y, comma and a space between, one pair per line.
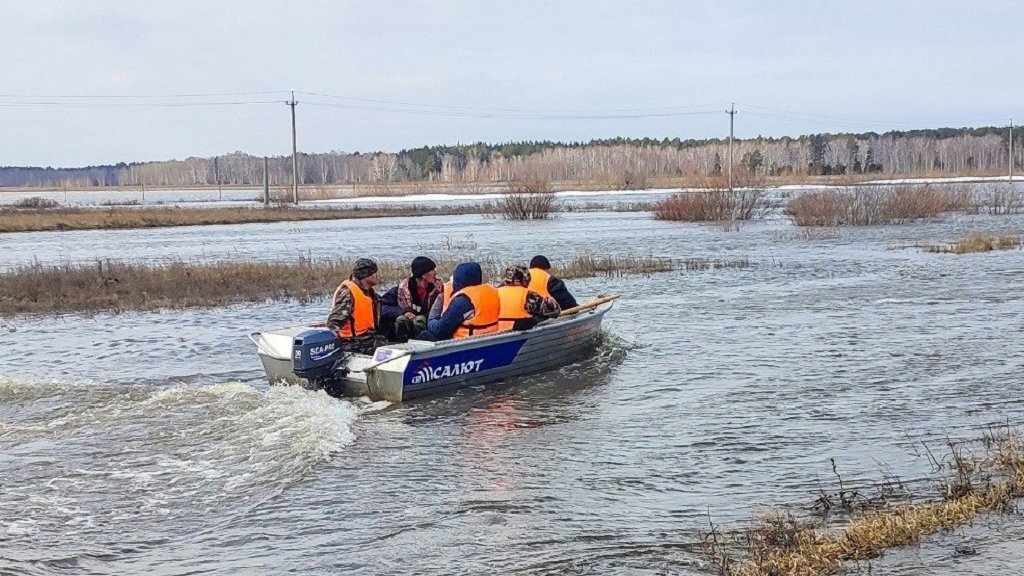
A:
364, 268
540, 262
421, 265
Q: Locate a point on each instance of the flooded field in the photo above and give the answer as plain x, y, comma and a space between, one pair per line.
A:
205, 197
149, 442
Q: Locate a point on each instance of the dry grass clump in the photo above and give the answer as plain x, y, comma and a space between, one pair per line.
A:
37, 203
692, 264
713, 205
808, 233
119, 286
871, 205
977, 242
587, 265
528, 200
318, 192
34, 220
781, 545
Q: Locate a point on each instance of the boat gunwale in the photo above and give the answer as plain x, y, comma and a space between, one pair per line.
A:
425, 346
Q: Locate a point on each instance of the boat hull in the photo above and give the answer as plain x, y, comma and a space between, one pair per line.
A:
420, 368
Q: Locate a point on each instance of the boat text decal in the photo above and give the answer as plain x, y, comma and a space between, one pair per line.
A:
322, 351
461, 363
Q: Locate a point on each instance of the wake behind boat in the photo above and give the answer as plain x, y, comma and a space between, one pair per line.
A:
312, 357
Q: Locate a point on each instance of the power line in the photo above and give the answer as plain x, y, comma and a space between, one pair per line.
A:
792, 115
327, 100
662, 109
195, 95
42, 104
512, 116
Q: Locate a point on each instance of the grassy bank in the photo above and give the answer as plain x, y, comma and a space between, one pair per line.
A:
49, 218
44, 219
119, 286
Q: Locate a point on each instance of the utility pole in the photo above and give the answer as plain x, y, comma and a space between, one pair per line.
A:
216, 176
1011, 150
732, 115
266, 182
295, 159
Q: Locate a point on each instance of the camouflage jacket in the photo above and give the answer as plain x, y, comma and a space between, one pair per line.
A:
342, 309
541, 307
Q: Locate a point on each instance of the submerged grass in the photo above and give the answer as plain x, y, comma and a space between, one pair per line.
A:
978, 242
781, 545
119, 286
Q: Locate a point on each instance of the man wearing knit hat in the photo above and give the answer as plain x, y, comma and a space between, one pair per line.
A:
404, 308
355, 309
545, 284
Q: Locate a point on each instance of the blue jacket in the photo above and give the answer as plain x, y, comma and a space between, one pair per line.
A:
460, 307
561, 294
389, 307
444, 327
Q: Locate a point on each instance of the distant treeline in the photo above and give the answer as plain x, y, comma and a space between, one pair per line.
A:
617, 161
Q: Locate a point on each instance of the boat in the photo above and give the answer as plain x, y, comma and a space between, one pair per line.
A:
311, 356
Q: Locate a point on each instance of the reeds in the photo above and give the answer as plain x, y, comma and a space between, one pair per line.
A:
119, 286
587, 265
872, 205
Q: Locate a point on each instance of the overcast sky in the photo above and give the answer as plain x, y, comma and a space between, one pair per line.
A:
388, 75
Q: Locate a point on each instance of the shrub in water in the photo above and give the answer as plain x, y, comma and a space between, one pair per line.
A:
527, 200
37, 203
713, 205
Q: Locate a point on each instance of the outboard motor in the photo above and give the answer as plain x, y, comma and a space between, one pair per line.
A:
317, 356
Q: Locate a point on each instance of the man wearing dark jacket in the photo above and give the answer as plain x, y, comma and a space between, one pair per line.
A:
404, 308
462, 318
543, 283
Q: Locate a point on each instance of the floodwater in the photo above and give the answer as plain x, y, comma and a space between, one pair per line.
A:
149, 442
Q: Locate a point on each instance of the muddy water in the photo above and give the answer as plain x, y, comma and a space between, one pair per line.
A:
148, 443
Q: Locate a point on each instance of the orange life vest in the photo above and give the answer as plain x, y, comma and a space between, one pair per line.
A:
539, 281
513, 306
487, 307
362, 319
447, 296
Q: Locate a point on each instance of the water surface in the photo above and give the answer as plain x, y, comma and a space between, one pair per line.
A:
149, 442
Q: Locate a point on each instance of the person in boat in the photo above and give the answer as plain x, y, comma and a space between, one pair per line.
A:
404, 308
522, 308
441, 302
355, 309
473, 309
543, 283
